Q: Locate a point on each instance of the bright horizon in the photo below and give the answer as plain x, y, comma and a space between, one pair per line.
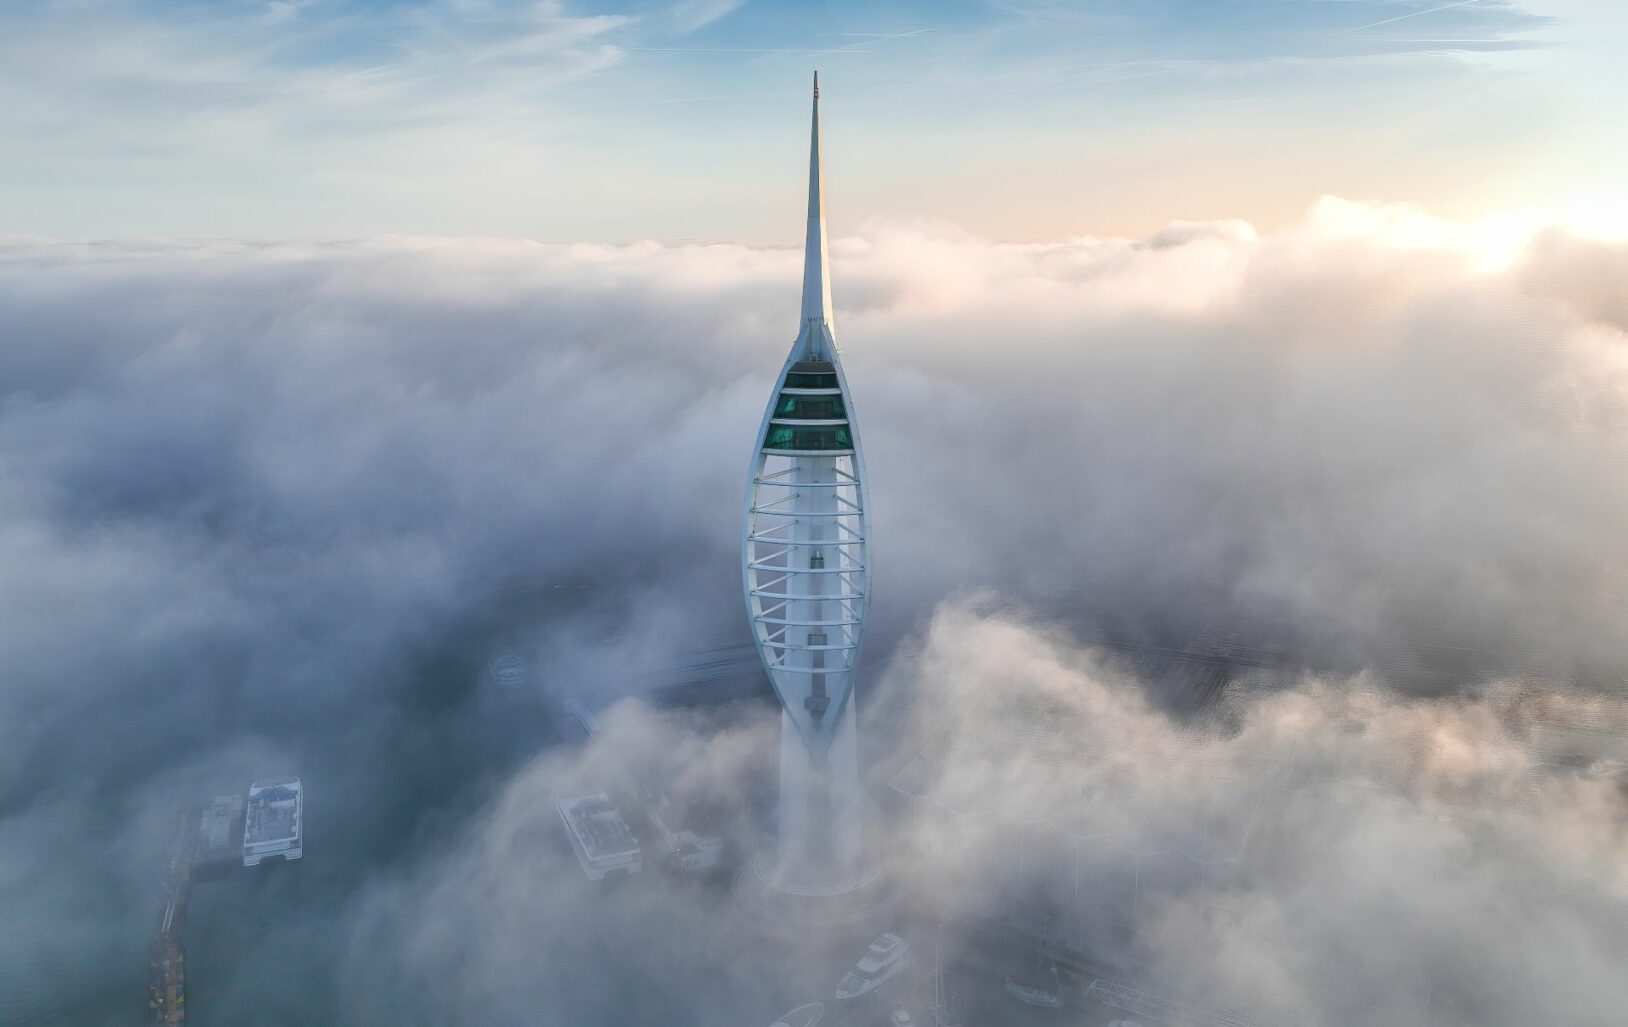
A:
685, 122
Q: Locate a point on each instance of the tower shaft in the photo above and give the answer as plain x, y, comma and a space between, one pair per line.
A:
806, 574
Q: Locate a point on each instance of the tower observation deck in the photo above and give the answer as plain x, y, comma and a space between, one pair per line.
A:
805, 568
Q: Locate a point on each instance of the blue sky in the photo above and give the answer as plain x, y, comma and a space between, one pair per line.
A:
604, 121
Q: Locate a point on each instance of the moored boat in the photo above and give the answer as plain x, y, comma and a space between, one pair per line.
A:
887, 958
803, 1016
599, 836
274, 821
1030, 995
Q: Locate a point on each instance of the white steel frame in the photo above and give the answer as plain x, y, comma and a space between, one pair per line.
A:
806, 575
805, 562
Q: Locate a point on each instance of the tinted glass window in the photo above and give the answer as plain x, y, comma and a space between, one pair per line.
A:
811, 408
785, 436
806, 380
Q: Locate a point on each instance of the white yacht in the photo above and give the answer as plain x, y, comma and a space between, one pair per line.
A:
599, 836
887, 958
943, 1012
1030, 995
273, 822
802, 1016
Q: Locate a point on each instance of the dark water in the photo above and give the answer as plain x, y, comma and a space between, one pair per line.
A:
268, 945
264, 945
54, 989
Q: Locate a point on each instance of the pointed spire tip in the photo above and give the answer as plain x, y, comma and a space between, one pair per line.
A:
816, 287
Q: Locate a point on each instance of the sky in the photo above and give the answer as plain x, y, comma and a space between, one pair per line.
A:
1017, 120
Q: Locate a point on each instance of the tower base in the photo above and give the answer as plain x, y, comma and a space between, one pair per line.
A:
769, 902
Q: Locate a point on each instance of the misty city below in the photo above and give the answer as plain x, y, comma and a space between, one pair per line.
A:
893, 625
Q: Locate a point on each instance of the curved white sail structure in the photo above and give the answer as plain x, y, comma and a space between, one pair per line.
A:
806, 571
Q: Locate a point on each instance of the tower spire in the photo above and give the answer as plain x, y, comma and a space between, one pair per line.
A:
816, 284
805, 568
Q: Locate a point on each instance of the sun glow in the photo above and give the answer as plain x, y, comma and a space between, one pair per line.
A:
1599, 216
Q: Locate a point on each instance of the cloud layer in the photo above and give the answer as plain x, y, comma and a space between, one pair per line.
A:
274, 506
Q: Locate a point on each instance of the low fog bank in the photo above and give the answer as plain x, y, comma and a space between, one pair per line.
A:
272, 507
1326, 854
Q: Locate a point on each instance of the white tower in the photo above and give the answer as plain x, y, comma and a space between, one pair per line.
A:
805, 567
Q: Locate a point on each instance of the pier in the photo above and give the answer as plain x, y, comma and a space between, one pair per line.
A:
166, 967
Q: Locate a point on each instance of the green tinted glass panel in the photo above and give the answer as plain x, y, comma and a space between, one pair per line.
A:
805, 380
811, 408
785, 436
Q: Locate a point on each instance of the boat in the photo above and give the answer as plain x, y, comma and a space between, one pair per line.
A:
943, 1012
1030, 995
1047, 994
509, 670
599, 836
802, 1016
686, 834
887, 958
273, 821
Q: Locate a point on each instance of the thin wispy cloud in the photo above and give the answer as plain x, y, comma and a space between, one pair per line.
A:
1414, 14
357, 118
691, 15
869, 38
